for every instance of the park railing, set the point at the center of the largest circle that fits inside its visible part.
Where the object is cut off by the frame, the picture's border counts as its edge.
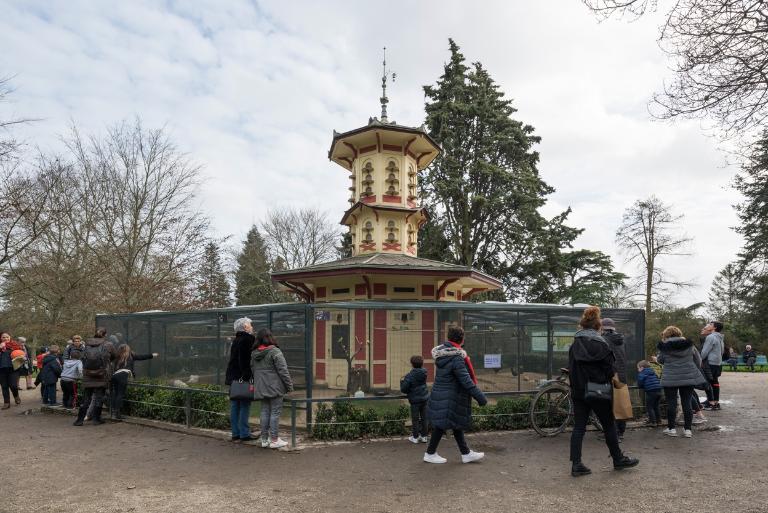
(192, 406)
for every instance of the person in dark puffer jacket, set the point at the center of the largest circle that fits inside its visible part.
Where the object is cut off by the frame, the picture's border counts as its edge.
(616, 342)
(682, 372)
(648, 380)
(50, 375)
(450, 403)
(239, 369)
(414, 384)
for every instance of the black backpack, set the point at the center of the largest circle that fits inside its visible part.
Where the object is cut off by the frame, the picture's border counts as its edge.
(95, 361)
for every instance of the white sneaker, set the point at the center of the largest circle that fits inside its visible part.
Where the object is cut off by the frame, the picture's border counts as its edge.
(670, 432)
(472, 456)
(423, 439)
(434, 458)
(265, 442)
(413, 440)
(699, 420)
(688, 433)
(276, 444)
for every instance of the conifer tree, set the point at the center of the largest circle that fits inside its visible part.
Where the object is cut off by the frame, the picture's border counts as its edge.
(253, 285)
(486, 183)
(212, 288)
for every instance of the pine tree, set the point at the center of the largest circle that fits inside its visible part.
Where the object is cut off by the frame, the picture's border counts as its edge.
(253, 286)
(752, 183)
(486, 182)
(725, 295)
(213, 288)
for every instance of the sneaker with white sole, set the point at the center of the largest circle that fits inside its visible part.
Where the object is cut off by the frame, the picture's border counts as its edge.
(265, 442)
(423, 439)
(670, 432)
(699, 420)
(413, 440)
(472, 456)
(277, 444)
(434, 458)
(688, 433)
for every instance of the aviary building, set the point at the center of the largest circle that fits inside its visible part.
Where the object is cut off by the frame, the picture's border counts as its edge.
(383, 160)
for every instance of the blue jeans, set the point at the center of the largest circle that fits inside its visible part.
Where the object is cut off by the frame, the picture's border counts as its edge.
(49, 394)
(270, 416)
(239, 413)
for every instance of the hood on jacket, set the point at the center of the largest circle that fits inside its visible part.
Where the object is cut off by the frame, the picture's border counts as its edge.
(617, 339)
(593, 349)
(260, 354)
(49, 358)
(419, 370)
(442, 353)
(674, 344)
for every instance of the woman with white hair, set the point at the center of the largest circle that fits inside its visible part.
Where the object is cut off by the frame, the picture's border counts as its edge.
(239, 369)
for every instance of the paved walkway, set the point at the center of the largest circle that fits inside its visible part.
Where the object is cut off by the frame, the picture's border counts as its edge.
(49, 465)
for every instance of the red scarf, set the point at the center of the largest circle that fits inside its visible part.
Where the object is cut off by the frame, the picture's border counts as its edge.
(262, 347)
(468, 362)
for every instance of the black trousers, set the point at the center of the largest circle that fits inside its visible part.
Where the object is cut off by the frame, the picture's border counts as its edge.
(419, 419)
(119, 386)
(438, 433)
(9, 383)
(68, 393)
(604, 411)
(652, 400)
(95, 394)
(716, 371)
(685, 399)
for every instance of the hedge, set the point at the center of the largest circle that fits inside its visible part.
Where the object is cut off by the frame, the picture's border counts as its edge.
(208, 410)
(345, 421)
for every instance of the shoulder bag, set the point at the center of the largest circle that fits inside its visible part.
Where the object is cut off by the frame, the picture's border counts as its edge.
(598, 391)
(241, 390)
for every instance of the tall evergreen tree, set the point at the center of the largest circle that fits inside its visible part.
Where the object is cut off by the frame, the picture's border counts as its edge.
(212, 288)
(486, 183)
(725, 295)
(253, 285)
(752, 183)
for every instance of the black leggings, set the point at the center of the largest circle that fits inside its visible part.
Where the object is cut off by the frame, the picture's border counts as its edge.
(685, 399)
(716, 371)
(9, 382)
(119, 386)
(438, 433)
(604, 411)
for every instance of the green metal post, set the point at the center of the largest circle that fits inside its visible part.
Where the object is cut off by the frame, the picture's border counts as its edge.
(293, 423)
(188, 407)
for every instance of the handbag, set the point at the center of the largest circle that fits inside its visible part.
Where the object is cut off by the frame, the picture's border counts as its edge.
(241, 390)
(598, 391)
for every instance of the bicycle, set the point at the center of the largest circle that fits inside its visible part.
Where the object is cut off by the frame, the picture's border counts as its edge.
(552, 409)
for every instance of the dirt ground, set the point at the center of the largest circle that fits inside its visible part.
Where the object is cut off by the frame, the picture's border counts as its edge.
(50, 465)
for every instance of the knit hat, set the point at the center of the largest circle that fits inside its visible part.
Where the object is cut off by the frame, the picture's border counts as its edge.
(608, 323)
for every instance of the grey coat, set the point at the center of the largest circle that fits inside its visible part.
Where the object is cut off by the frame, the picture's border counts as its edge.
(712, 350)
(681, 363)
(270, 373)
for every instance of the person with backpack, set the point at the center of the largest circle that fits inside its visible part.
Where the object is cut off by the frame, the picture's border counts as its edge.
(97, 357)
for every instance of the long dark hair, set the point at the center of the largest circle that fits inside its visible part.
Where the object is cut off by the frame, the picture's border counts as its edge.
(264, 338)
(123, 353)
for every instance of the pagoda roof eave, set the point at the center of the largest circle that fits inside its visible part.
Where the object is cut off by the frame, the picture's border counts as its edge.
(387, 208)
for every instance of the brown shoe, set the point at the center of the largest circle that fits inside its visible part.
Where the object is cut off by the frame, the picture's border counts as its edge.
(6, 406)
(17, 399)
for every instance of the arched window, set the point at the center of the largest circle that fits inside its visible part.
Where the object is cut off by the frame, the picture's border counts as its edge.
(368, 231)
(393, 180)
(367, 180)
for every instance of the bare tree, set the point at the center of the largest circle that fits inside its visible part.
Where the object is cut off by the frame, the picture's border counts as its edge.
(300, 237)
(719, 51)
(148, 230)
(9, 145)
(647, 233)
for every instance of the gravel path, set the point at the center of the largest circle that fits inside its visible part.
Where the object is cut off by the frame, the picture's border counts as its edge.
(124, 467)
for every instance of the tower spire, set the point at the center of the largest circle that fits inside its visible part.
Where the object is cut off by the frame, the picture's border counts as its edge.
(384, 100)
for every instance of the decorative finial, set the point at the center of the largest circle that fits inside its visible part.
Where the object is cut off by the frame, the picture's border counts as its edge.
(384, 100)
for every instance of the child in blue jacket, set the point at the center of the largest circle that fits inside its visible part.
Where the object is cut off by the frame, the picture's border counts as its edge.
(648, 380)
(414, 384)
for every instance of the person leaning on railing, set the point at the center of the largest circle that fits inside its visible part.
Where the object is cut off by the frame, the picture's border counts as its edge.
(124, 371)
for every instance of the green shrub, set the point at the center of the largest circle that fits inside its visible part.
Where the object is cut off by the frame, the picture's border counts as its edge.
(345, 421)
(208, 411)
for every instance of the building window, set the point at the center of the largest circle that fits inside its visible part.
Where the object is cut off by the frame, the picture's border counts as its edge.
(340, 291)
(405, 290)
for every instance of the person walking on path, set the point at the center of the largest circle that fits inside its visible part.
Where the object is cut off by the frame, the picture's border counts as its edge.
(712, 356)
(681, 374)
(123, 372)
(414, 385)
(591, 360)
(9, 377)
(271, 381)
(616, 342)
(239, 369)
(450, 403)
(98, 355)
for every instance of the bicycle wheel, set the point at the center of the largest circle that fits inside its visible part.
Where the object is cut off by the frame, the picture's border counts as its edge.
(551, 410)
(595, 421)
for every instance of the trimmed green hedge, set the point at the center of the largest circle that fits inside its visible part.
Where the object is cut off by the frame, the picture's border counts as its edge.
(208, 410)
(345, 421)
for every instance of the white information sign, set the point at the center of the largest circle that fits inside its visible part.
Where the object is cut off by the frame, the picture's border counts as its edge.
(492, 361)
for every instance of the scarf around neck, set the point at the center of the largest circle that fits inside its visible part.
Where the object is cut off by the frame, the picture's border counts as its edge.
(467, 361)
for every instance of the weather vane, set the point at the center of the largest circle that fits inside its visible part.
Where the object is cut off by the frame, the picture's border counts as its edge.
(384, 100)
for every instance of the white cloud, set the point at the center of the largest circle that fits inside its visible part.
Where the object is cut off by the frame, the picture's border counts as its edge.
(252, 91)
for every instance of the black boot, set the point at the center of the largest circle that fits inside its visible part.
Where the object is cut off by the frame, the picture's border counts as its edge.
(79, 421)
(579, 469)
(625, 462)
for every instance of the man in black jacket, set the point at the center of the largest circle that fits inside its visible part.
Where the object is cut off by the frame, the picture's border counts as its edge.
(616, 342)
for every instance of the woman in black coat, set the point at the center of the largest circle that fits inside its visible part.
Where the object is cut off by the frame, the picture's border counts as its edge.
(450, 404)
(239, 369)
(591, 360)
(124, 370)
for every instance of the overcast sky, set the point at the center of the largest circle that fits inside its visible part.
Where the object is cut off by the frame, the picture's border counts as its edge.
(253, 90)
